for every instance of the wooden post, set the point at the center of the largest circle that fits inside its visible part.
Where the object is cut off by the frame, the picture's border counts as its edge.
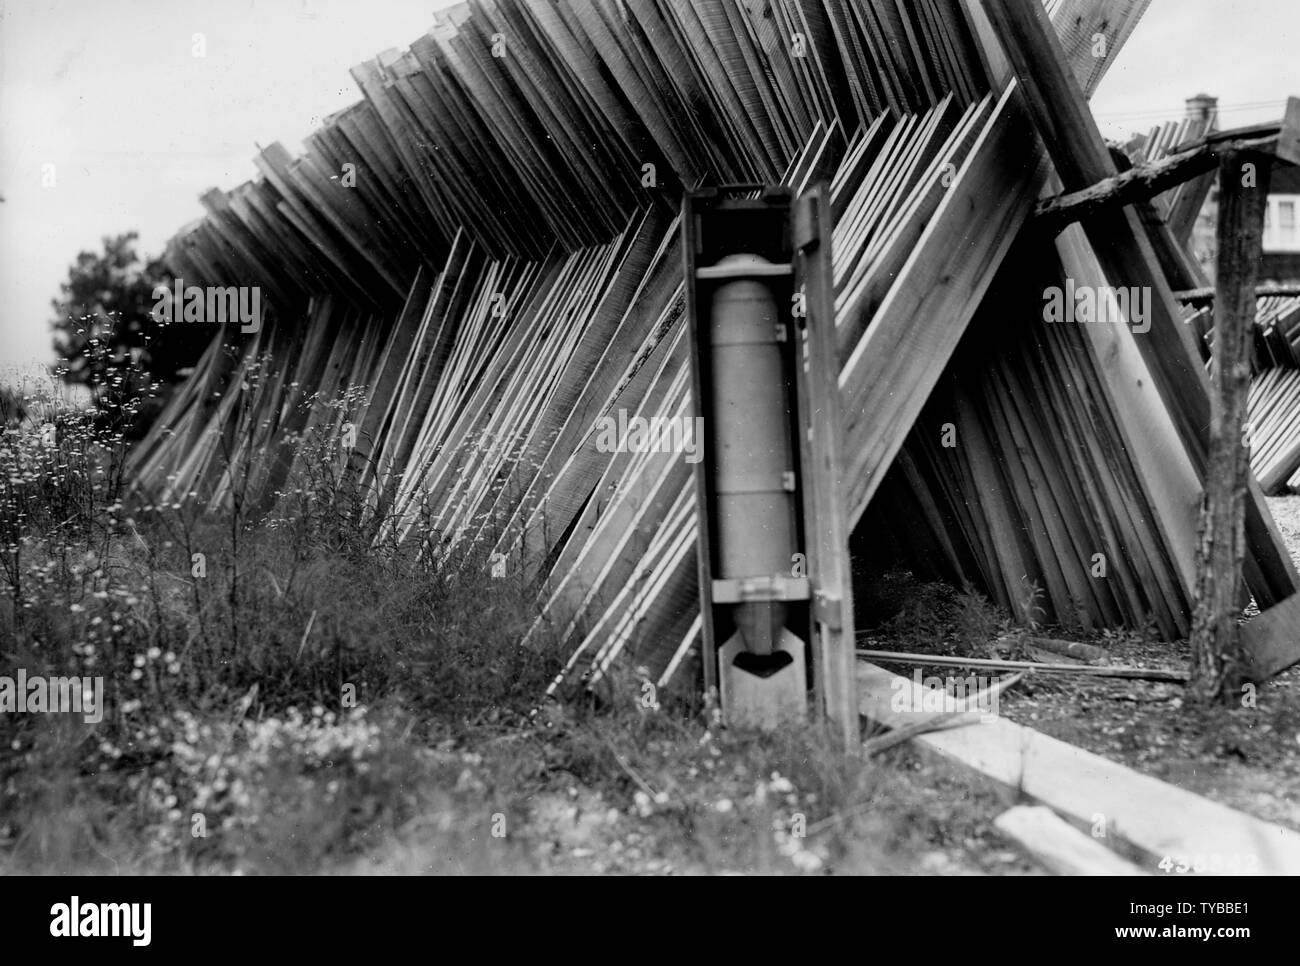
(1218, 664)
(835, 665)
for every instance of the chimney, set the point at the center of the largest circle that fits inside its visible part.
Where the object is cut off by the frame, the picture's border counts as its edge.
(1201, 107)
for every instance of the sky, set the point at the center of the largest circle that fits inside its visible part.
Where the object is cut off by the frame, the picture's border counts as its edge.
(110, 93)
(1244, 52)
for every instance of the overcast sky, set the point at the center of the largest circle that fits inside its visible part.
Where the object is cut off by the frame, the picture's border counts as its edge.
(108, 92)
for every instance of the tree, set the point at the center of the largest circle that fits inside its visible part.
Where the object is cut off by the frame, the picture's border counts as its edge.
(107, 338)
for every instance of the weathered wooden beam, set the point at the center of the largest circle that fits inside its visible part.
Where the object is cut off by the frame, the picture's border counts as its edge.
(1176, 261)
(1218, 666)
(1143, 181)
(960, 716)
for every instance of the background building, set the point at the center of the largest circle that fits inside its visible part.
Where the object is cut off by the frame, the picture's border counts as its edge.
(1281, 218)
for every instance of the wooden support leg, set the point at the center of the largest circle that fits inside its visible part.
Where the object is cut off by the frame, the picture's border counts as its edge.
(1218, 665)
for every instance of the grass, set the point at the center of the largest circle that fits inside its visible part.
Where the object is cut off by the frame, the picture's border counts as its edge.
(291, 695)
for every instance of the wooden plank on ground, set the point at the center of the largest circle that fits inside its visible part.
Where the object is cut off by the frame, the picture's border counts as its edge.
(1158, 819)
(1060, 847)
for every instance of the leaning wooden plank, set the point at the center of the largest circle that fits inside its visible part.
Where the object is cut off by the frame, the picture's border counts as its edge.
(387, 372)
(1157, 819)
(625, 510)
(1058, 846)
(527, 384)
(887, 377)
(1137, 555)
(645, 346)
(636, 610)
(588, 368)
(1151, 438)
(1272, 640)
(1078, 25)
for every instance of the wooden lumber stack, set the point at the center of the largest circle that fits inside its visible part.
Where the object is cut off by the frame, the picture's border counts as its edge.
(1179, 206)
(1275, 354)
(1018, 479)
(1275, 362)
(1277, 332)
(1275, 429)
(500, 268)
(1275, 395)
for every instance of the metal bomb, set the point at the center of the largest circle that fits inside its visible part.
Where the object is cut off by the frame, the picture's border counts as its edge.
(753, 485)
(770, 560)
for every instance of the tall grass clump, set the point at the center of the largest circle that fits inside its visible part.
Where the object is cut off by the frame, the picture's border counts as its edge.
(252, 663)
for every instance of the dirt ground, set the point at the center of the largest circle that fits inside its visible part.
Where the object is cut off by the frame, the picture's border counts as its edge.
(1246, 757)
(937, 818)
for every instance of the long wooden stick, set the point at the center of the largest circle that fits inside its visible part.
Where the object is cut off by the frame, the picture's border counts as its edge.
(1135, 673)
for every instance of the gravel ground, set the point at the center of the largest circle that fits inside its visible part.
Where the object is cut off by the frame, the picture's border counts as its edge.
(1247, 757)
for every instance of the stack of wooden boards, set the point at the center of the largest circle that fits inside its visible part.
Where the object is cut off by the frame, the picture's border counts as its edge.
(1275, 429)
(1017, 479)
(1275, 392)
(1275, 387)
(1276, 342)
(1180, 205)
(502, 282)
